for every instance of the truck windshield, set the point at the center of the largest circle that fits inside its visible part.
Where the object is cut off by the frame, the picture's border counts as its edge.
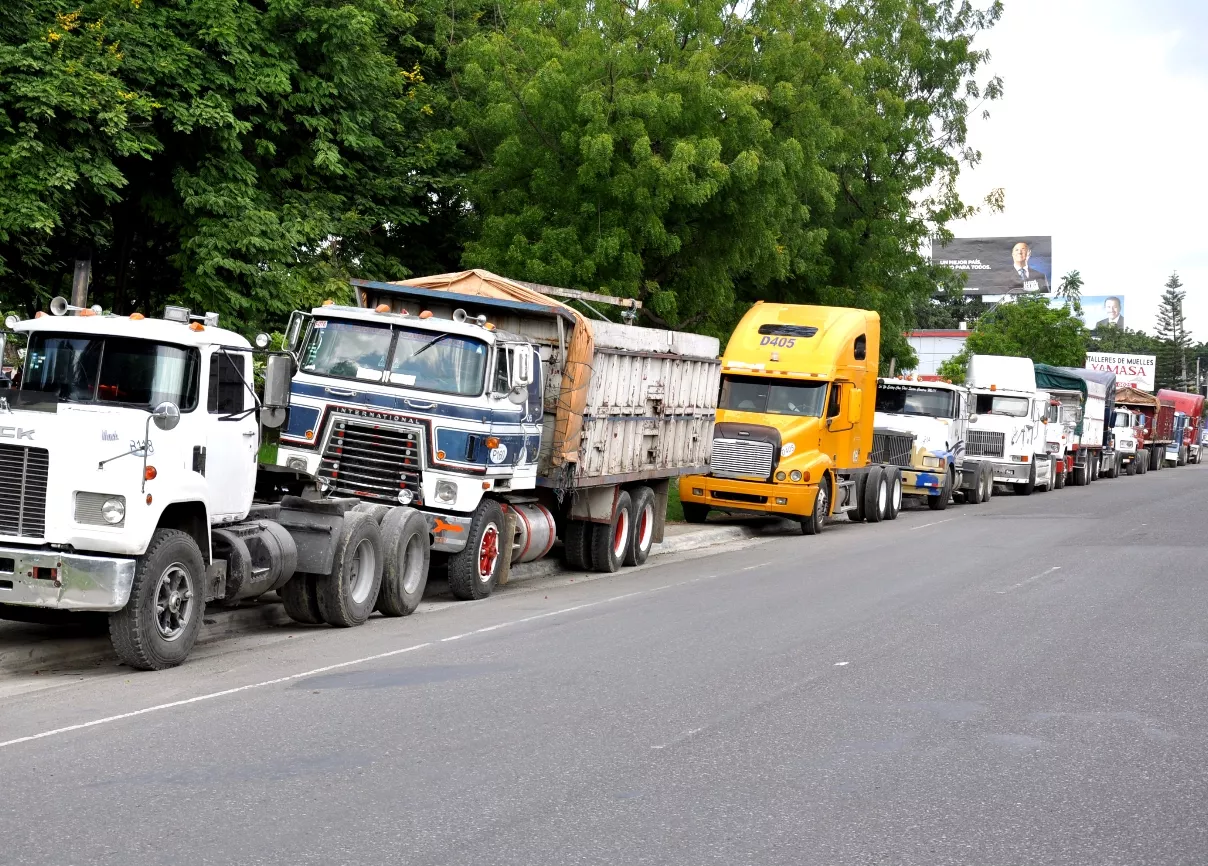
(906, 400)
(774, 397)
(395, 355)
(993, 404)
(1122, 419)
(72, 368)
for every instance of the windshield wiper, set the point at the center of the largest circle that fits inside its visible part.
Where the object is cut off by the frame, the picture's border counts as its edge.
(430, 344)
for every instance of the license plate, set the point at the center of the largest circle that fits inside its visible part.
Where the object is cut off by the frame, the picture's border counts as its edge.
(1009, 471)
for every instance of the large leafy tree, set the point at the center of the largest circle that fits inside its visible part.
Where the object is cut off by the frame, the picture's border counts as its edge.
(701, 154)
(242, 156)
(1026, 328)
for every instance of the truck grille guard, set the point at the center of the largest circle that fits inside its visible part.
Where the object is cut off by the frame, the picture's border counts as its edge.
(375, 461)
(895, 449)
(23, 477)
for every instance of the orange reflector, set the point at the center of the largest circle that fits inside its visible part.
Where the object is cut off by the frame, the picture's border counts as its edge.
(441, 526)
(489, 326)
(486, 485)
(148, 498)
(329, 302)
(149, 473)
(137, 317)
(805, 476)
(87, 312)
(426, 314)
(993, 387)
(196, 326)
(1024, 459)
(492, 441)
(310, 434)
(382, 308)
(39, 314)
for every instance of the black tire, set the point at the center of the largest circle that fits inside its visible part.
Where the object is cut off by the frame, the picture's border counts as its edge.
(406, 553)
(172, 574)
(347, 595)
(1181, 460)
(814, 524)
(694, 512)
(1096, 466)
(1027, 487)
(642, 534)
(976, 496)
(301, 598)
(1131, 469)
(576, 545)
(940, 501)
(474, 570)
(876, 494)
(857, 513)
(1059, 478)
(1141, 461)
(988, 490)
(1079, 476)
(894, 481)
(1157, 459)
(376, 510)
(1051, 484)
(610, 541)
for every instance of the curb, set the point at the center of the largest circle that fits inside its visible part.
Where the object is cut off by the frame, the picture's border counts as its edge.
(28, 648)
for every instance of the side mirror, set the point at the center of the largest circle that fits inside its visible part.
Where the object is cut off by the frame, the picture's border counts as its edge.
(522, 366)
(166, 416)
(973, 418)
(298, 321)
(278, 374)
(855, 406)
(3, 341)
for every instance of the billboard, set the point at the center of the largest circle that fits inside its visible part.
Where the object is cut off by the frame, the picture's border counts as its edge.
(1098, 310)
(1135, 371)
(999, 266)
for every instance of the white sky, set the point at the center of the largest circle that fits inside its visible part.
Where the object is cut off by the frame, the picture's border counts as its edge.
(1101, 140)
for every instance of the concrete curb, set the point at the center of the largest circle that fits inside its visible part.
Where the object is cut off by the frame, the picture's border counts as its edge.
(29, 648)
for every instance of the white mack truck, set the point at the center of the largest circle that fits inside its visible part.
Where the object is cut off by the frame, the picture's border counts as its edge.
(1007, 426)
(500, 415)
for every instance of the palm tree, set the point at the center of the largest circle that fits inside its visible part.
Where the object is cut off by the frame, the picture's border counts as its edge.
(1071, 290)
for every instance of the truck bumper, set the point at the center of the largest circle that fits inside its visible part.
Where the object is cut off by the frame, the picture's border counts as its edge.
(1012, 473)
(449, 532)
(725, 494)
(922, 482)
(61, 581)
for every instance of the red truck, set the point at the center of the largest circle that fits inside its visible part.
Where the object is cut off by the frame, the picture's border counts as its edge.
(1156, 431)
(1191, 405)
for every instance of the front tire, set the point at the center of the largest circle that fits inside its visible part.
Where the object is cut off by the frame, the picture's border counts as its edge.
(988, 490)
(814, 524)
(474, 570)
(694, 512)
(160, 623)
(940, 501)
(1027, 488)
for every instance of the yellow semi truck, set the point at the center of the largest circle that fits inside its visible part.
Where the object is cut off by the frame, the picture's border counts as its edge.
(795, 421)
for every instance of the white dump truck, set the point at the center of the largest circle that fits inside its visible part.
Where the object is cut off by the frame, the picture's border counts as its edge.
(128, 482)
(1007, 428)
(505, 418)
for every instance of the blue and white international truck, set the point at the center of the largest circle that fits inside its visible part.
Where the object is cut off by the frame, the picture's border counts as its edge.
(504, 417)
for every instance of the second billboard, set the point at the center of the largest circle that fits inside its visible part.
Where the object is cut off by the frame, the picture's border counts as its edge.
(1000, 266)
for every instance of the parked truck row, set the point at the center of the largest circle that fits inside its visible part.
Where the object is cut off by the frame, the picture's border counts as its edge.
(464, 423)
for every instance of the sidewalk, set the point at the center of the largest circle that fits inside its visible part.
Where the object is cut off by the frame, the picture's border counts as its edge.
(29, 648)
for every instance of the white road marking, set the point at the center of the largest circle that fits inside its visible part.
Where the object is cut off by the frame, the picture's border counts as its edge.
(933, 523)
(841, 664)
(1029, 580)
(364, 660)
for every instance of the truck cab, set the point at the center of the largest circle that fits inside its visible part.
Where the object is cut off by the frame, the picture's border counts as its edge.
(1129, 438)
(1007, 428)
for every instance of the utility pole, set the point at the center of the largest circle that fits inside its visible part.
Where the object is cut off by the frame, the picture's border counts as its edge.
(80, 280)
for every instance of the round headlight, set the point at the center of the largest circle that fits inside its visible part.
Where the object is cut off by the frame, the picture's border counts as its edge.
(114, 510)
(262, 341)
(780, 476)
(794, 475)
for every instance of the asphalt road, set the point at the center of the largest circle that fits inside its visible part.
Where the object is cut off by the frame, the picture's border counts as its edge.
(1022, 682)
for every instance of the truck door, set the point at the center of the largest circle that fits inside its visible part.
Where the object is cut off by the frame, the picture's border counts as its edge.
(233, 437)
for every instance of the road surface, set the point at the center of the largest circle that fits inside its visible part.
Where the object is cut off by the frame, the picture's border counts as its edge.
(1022, 682)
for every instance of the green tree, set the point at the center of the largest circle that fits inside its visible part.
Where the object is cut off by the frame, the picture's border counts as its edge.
(1070, 288)
(702, 154)
(1173, 337)
(242, 156)
(1024, 328)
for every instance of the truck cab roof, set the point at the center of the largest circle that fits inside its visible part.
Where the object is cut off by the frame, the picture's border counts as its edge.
(468, 328)
(158, 330)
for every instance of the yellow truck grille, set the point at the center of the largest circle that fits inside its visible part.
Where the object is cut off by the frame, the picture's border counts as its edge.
(736, 458)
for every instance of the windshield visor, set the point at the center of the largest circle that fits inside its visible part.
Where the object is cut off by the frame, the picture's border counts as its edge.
(409, 357)
(117, 370)
(902, 400)
(755, 394)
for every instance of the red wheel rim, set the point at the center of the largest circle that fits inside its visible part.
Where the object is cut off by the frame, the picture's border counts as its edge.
(620, 535)
(488, 552)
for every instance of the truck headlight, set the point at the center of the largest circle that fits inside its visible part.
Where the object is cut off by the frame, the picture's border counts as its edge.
(446, 491)
(114, 510)
(932, 462)
(794, 475)
(298, 464)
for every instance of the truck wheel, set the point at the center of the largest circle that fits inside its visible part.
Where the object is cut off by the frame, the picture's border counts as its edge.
(876, 494)
(407, 551)
(159, 624)
(301, 597)
(813, 524)
(1131, 469)
(376, 510)
(940, 501)
(643, 526)
(694, 512)
(474, 570)
(347, 595)
(610, 541)
(977, 495)
(1079, 476)
(1051, 484)
(894, 480)
(1182, 458)
(988, 480)
(576, 546)
(1156, 458)
(1141, 461)
(1059, 475)
(1026, 488)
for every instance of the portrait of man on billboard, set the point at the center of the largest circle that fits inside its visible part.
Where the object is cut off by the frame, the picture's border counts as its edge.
(1112, 313)
(1026, 278)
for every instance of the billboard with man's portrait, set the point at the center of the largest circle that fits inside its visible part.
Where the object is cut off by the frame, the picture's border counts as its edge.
(1022, 264)
(1098, 310)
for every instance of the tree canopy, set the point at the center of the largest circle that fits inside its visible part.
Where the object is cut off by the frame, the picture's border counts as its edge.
(1025, 328)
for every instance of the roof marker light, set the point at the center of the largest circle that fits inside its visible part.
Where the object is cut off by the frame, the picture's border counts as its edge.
(426, 314)
(382, 308)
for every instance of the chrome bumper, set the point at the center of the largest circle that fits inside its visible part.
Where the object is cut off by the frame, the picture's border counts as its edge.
(449, 533)
(1012, 472)
(49, 579)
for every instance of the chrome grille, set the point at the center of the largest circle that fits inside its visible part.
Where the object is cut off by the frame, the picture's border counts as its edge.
(892, 448)
(23, 473)
(373, 461)
(735, 458)
(982, 443)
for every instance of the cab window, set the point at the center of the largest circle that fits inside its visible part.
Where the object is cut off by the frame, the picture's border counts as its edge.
(228, 372)
(835, 400)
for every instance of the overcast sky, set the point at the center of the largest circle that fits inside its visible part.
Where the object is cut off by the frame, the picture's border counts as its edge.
(1101, 140)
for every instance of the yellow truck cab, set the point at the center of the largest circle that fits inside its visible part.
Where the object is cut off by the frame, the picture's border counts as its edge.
(795, 420)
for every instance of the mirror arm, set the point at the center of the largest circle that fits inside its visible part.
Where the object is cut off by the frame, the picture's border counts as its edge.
(146, 449)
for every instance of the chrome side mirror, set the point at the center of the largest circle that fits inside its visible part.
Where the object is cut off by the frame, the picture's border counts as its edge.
(166, 416)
